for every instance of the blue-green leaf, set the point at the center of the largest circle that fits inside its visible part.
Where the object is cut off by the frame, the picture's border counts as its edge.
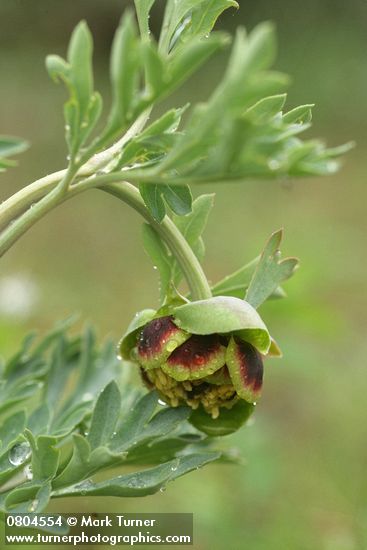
(80, 60)
(45, 456)
(143, 8)
(178, 198)
(124, 71)
(105, 415)
(10, 430)
(205, 16)
(152, 197)
(142, 483)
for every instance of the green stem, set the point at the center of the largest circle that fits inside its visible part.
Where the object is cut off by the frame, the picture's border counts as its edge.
(168, 231)
(36, 211)
(50, 193)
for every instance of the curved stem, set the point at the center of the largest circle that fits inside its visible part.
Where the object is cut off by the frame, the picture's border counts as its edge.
(20, 201)
(182, 251)
(36, 211)
(47, 190)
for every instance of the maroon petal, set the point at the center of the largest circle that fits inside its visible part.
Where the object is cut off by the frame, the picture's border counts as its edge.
(198, 357)
(157, 340)
(245, 368)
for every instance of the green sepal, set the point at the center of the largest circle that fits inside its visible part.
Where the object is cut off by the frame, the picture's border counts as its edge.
(228, 421)
(222, 315)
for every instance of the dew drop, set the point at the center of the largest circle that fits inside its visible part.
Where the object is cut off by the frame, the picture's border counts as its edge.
(162, 403)
(199, 359)
(28, 472)
(33, 505)
(84, 486)
(19, 453)
(162, 489)
(155, 267)
(174, 468)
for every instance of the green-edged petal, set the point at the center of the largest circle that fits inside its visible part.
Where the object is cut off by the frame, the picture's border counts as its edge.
(158, 339)
(224, 314)
(128, 341)
(245, 368)
(198, 357)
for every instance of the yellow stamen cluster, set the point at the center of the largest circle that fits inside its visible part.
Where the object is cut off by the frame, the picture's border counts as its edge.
(192, 392)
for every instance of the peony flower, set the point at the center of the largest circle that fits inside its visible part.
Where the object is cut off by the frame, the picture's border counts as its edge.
(205, 354)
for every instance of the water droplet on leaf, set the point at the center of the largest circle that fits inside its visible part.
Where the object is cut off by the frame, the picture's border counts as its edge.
(33, 505)
(28, 472)
(19, 453)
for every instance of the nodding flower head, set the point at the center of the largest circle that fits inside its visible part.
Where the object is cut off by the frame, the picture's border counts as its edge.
(207, 353)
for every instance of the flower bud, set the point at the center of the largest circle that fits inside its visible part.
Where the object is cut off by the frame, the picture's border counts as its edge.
(205, 354)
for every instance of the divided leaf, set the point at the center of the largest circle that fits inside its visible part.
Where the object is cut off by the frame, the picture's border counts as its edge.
(83, 109)
(270, 271)
(121, 427)
(142, 483)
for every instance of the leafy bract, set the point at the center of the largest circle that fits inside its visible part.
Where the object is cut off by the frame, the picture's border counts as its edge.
(270, 271)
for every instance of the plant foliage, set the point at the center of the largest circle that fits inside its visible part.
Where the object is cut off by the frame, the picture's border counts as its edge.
(67, 409)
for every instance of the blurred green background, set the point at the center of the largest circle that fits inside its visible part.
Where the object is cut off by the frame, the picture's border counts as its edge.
(304, 484)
